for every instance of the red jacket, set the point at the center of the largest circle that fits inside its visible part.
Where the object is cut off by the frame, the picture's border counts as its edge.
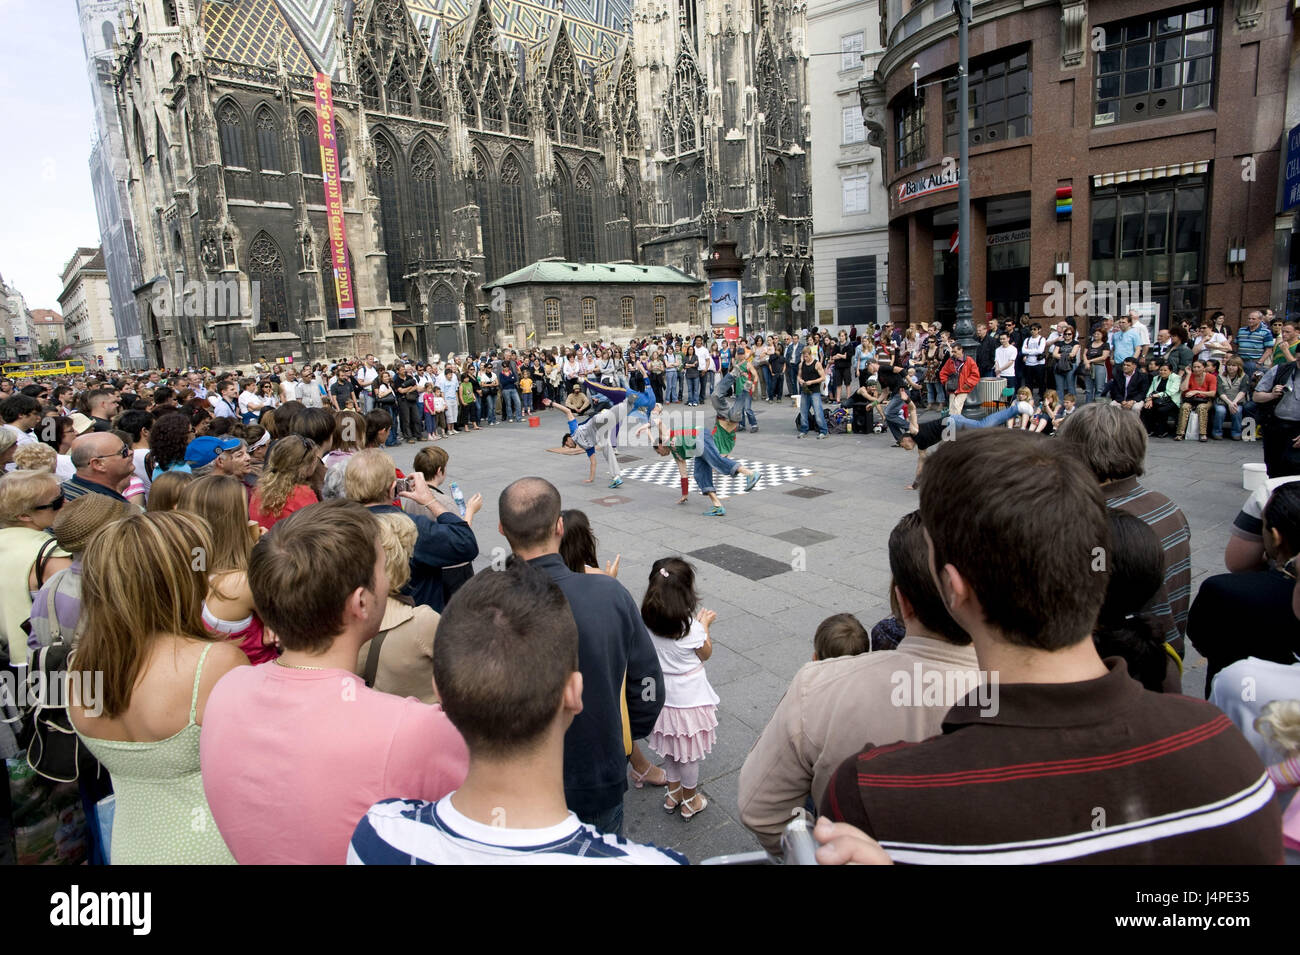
(967, 380)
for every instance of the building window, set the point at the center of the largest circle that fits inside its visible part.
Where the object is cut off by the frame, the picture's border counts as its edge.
(999, 102)
(584, 195)
(627, 310)
(390, 218)
(909, 131)
(268, 141)
(1155, 66)
(430, 96)
(552, 316)
(308, 145)
(855, 289)
(491, 251)
(230, 129)
(780, 189)
(341, 151)
(851, 52)
(588, 314)
(857, 194)
(266, 269)
(851, 120)
(693, 307)
(512, 213)
(661, 312)
(424, 183)
(1152, 231)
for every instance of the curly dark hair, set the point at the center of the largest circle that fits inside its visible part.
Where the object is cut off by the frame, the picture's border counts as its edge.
(168, 439)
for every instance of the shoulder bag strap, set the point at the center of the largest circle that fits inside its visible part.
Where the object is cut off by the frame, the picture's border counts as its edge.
(43, 560)
(372, 658)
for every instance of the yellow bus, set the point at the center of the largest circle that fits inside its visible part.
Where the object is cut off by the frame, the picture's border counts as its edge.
(44, 369)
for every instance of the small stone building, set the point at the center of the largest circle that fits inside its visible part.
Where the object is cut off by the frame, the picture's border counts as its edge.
(552, 303)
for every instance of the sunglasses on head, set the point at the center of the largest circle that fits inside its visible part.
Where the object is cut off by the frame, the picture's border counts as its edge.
(123, 452)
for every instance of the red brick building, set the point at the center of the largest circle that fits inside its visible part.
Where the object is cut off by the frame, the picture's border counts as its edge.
(1166, 122)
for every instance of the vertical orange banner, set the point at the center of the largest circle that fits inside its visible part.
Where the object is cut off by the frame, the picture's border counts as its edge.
(329, 164)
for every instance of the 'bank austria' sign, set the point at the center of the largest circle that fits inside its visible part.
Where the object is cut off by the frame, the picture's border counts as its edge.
(934, 182)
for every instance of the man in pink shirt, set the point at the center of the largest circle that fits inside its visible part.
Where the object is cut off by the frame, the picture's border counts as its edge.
(295, 752)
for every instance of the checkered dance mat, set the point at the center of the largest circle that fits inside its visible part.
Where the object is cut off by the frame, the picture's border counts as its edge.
(664, 474)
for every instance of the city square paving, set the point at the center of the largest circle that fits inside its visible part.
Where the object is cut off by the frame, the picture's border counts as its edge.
(783, 558)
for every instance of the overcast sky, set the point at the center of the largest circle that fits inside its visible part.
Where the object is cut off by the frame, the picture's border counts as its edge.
(47, 207)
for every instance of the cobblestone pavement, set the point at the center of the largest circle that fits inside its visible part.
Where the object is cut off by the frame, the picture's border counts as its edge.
(795, 553)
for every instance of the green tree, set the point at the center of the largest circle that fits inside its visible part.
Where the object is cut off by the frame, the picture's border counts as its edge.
(49, 351)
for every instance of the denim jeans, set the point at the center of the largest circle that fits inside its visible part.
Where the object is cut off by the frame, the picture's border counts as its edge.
(511, 404)
(768, 378)
(1221, 414)
(710, 460)
(693, 391)
(1096, 383)
(708, 378)
(671, 392)
(395, 433)
(744, 412)
(815, 400)
(791, 380)
(894, 419)
(487, 409)
(609, 822)
(430, 422)
(1064, 384)
(527, 398)
(934, 393)
(959, 422)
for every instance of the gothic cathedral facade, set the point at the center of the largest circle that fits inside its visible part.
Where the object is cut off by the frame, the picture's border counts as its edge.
(475, 137)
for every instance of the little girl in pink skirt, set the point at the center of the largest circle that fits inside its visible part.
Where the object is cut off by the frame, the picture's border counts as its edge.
(683, 734)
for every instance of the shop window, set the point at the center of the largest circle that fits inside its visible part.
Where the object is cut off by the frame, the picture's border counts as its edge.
(1155, 66)
(999, 102)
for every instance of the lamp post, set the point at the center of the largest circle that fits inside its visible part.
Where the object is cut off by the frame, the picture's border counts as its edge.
(963, 327)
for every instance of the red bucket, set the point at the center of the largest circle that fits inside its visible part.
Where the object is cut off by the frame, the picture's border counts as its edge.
(534, 421)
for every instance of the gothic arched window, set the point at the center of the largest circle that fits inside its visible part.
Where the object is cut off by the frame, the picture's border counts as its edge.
(308, 145)
(699, 191)
(430, 96)
(780, 189)
(469, 107)
(492, 108)
(169, 12)
(632, 137)
(518, 110)
(399, 92)
(686, 133)
(559, 204)
(268, 141)
(513, 246)
(164, 156)
(424, 183)
(584, 195)
(548, 112)
(391, 219)
(368, 83)
(230, 130)
(266, 267)
(482, 198)
(569, 123)
(590, 131)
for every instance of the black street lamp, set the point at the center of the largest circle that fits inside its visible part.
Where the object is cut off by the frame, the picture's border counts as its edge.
(963, 327)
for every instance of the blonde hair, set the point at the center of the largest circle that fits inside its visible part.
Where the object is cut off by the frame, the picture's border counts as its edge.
(165, 491)
(35, 456)
(219, 499)
(1051, 397)
(20, 491)
(397, 534)
(369, 476)
(291, 462)
(1279, 722)
(126, 607)
(1024, 394)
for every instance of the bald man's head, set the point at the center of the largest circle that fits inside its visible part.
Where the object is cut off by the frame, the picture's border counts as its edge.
(530, 513)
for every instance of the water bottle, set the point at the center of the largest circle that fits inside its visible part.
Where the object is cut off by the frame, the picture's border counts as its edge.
(458, 497)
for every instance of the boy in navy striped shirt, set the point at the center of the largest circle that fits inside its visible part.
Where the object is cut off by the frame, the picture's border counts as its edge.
(506, 668)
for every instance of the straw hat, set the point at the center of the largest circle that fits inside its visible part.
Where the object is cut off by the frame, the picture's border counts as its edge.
(81, 423)
(82, 517)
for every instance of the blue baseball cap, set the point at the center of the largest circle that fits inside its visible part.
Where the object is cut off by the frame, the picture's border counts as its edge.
(203, 451)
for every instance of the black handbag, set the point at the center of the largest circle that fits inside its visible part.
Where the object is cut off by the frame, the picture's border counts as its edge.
(54, 750)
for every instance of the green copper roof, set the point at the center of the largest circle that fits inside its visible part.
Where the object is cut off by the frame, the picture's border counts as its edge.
(598, 273)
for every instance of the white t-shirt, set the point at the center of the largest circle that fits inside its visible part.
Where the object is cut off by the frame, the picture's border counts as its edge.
(1215, 346)
(1005, 361)
(366, 375)
(1034, 348)
(408, 831)
(685, 682)
(249, 402)
(1144, 333)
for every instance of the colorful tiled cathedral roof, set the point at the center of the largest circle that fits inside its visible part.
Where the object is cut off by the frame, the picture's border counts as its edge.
(249, 31)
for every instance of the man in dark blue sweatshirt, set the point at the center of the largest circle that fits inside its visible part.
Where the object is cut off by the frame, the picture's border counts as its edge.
(613, 647)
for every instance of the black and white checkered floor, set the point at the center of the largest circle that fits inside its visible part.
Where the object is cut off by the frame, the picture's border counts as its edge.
(664, 474)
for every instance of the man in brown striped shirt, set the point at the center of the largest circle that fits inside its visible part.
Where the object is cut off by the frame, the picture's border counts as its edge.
(1113, 444)
(1077, 762)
